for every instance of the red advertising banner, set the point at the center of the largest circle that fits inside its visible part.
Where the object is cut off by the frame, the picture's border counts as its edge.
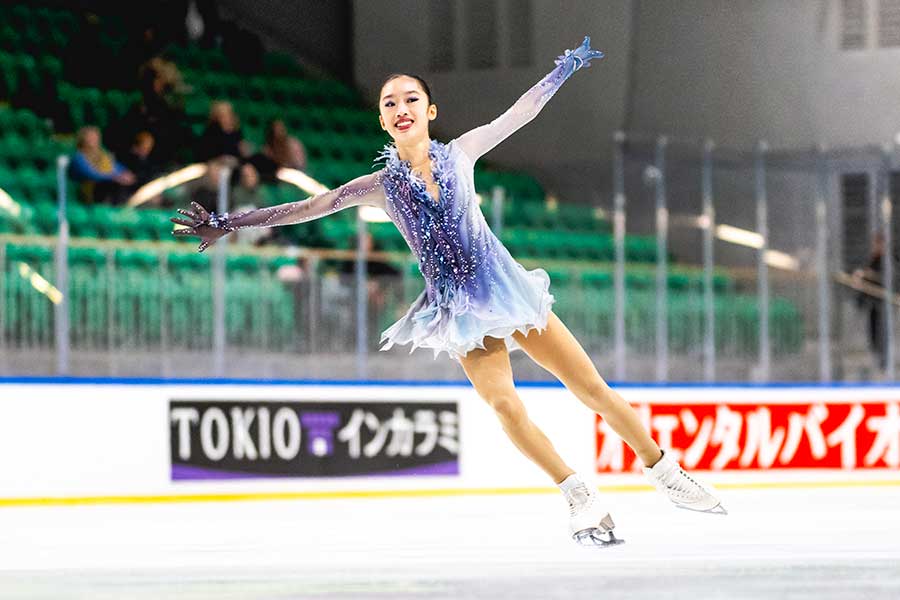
(727, 437)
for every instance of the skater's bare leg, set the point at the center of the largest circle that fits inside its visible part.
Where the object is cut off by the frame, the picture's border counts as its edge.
(557, 350)
(490, 372)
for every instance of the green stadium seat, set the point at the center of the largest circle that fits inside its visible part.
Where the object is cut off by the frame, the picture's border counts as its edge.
(602, 280)
(640, 248)
(242, 263)
(81, 220)
(188, 262)
(45, 218)
(38, 257)
(87, 256)
(136, 259)
(280, 64)
(273, 264)
(678, 281)
(154, 224)
(640, 280)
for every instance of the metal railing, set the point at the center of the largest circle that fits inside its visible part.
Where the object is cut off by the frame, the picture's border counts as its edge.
(159, 309)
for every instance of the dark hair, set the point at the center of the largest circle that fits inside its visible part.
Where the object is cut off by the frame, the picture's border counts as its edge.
(395, 76)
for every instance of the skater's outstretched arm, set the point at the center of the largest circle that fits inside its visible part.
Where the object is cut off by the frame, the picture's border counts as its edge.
(480, 140)
(209, 227)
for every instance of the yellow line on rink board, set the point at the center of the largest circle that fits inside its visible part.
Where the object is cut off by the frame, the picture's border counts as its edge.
(374, 494)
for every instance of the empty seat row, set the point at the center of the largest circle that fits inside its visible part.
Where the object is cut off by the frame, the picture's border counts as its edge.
(92, 106)
(520, 212)
(575, 245)
(517, 185)
(42, 257)
(24, 124)
(22, 76)
(284, 91)
(677, 279)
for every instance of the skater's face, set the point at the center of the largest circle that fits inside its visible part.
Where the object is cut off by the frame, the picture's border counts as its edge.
(404, 110)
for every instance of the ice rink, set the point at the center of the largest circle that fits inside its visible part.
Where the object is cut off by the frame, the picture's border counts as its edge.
(822, 543)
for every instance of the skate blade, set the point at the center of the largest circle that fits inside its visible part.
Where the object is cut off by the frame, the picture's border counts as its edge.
(597, 538)
(718, 509)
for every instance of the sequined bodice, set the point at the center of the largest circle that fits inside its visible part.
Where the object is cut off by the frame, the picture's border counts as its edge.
(437, 231)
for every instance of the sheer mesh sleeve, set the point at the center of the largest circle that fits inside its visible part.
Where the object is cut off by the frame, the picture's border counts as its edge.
(367, 190)
(480, 140)
(210, 227)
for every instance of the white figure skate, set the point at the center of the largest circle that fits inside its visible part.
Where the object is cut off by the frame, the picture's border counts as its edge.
(589, 524)
(683, 490)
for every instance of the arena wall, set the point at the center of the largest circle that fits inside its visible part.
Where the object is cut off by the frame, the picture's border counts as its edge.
(83, 441)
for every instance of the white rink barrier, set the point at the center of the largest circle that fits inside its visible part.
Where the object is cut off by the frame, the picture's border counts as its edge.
(132, 440)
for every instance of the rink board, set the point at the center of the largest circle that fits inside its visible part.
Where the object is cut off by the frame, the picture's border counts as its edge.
(153, 440)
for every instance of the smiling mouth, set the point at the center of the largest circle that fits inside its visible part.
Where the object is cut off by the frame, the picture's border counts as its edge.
(404, 125)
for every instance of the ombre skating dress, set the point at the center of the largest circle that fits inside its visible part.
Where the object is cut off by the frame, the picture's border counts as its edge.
(473, 286)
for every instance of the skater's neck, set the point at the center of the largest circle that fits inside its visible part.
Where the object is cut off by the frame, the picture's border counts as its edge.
(415, 152)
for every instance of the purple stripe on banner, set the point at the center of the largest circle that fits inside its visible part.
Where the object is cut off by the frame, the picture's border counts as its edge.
(451, 467)
(189, 472)
(186, 472)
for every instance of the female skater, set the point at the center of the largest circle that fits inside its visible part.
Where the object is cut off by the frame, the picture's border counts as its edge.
(478, 304)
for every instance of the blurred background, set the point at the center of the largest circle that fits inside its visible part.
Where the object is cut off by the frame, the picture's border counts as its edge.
(712, 200)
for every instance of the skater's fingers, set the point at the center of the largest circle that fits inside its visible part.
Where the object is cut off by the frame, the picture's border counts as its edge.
(183, 232)
(201, 212)
(188, 214)
(184, 222)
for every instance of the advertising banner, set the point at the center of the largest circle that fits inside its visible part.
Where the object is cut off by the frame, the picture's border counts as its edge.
(742, 436)
(220, 439)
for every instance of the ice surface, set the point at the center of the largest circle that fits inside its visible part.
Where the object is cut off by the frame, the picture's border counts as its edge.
(823, 543)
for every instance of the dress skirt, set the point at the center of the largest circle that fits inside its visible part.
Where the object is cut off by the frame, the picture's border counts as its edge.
(519, 300)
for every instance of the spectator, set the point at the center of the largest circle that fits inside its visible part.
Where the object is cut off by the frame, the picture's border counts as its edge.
(280, 150)
(243, 185)
(102, 178)
(205, 190)
(874, 306)
(223, 136)
(246, 194)
(160, 112)
(139, 159)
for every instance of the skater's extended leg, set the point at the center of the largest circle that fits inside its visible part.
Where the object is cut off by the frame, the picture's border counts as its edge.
(491, 375)
(557, 350)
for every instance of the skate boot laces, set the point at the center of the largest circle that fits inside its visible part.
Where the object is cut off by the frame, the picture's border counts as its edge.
(682, 489)
(683, 485)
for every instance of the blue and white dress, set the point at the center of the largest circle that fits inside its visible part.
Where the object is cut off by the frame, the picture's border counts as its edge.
(473, 286)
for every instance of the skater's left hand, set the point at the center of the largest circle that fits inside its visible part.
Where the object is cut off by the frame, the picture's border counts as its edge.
(583, 55)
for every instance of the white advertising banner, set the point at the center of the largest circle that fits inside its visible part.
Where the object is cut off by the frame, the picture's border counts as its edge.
(120, 439)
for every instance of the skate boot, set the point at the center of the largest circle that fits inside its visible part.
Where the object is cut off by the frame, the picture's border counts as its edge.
(589, 524)
(685, 492)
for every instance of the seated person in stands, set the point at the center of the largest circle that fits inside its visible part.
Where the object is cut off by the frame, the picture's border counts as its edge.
(281, 150)
(223, 138)
(139, 159)
(159, 112)
(246, 194)
(103, 180)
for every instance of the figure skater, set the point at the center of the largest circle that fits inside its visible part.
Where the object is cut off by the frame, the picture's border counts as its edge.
(479, 304)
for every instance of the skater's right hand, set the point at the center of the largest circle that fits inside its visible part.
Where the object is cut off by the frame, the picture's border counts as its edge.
(209, 227)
